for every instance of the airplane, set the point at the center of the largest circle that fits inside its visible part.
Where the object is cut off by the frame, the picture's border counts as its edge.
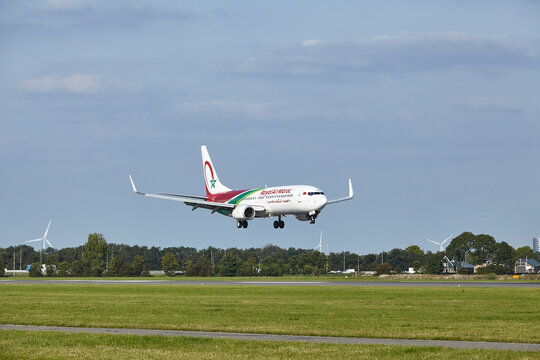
(303, 201)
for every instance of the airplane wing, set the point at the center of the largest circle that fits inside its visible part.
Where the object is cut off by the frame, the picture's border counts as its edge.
(190, 200)
(351, 195)
(186, 196)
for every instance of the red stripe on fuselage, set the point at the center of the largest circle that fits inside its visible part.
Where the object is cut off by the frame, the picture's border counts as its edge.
(225, 196)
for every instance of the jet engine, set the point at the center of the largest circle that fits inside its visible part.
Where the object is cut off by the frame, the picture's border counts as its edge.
(243, 213)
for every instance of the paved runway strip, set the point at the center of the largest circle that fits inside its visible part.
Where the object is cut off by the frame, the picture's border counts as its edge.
(294, 338)
(483, 284)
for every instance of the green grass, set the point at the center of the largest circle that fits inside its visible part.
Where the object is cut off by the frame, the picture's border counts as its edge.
(331, 277)
(476, 314)
(17, 345)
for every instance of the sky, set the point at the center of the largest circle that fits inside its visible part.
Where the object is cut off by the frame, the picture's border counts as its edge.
(431, 108)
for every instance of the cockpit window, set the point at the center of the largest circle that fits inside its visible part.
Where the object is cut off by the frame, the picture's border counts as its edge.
(315, 193)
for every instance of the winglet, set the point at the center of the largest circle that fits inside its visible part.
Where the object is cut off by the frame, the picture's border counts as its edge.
(133, 186)
(351, 195)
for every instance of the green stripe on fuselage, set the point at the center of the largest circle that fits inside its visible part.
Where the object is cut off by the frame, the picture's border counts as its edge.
(242, 196)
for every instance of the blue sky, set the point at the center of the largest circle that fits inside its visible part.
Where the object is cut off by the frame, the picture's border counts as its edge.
(430, 107)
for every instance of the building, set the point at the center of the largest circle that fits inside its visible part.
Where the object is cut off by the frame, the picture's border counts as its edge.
(536, 244)
(527, 266)
(452, 266)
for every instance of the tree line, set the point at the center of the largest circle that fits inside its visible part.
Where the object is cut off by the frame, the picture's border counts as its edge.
(98, 258)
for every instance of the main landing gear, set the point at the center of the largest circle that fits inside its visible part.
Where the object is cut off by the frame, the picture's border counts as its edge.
(279, 223)
(242, 224)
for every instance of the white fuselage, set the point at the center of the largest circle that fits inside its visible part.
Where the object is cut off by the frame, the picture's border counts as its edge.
(286, 200)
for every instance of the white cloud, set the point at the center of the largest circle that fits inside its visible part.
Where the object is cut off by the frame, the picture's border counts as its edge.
(271, 110)
(312, 42)
(486, 103)
(399, 53)
(251, 109)
(86, 84)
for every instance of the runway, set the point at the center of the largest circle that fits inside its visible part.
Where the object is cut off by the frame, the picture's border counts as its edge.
(203, 281)
(287, 338)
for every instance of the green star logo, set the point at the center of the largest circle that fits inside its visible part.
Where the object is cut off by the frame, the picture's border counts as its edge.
(213, 183)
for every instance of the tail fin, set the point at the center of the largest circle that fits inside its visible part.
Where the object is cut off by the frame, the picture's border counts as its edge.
(211, 179)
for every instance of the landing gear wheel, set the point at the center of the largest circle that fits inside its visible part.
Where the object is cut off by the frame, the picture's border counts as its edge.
(244, 224)
(239, 224)
(312, 220)
(281, 224)
(276, 224)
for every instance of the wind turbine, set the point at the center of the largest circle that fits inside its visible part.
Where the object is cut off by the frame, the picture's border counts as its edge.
(44, 241)
(320, 246)
(441, 243)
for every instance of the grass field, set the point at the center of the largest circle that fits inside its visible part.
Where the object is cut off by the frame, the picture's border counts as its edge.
(476, 314)
(17, 345)
(330, 277)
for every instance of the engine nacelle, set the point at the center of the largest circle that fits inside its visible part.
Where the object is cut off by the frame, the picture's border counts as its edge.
(243, 213)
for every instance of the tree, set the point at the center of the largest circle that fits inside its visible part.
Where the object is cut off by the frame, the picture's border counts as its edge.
(415, 251)
(94, 255)
(318, 261)
(484, 247)
(35, 269)
(434, 263)
(460, 246)
(369, 262)
(64, 269)
(138, 267)
(51, 259)
(269, 267)
(523, 252)
(383, 268)
(417, 265)
(398, 259)
(229, 265)
(504, 254)
(77, 268)
(169, 264)
(248, 267)
(205, 266)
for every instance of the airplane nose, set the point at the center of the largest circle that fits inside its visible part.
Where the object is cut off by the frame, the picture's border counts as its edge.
(324, 200)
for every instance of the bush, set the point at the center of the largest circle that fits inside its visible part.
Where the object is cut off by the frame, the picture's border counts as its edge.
(491, 276)
(64, 269)
(50, 270)
(495, 269)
